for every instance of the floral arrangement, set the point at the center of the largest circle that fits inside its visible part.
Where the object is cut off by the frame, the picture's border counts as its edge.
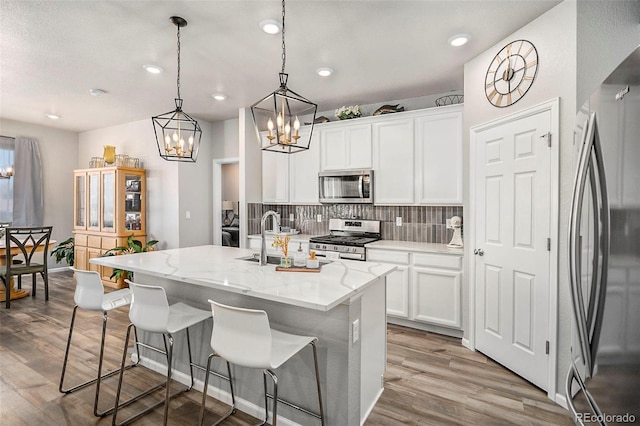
(281, 242)
(344, 113)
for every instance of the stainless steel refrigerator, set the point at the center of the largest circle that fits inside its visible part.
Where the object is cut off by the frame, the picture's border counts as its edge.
(603, 383)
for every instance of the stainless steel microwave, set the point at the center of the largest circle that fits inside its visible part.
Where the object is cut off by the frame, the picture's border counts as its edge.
(346, 186)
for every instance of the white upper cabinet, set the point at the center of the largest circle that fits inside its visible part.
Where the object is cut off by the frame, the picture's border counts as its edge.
(275, 177)
(346, 146)
(439, 156)
(303, 169)
(418, 159)
(393, 154)
(291, 178)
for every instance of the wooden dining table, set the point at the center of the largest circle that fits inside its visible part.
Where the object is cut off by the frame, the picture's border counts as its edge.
(15, 293)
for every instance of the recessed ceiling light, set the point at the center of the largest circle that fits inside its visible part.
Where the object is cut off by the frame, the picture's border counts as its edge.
(219, 96)
(459, 39)
(97, 92)
(324, 71)
(153, 69)
(270, 26)
(53, 116)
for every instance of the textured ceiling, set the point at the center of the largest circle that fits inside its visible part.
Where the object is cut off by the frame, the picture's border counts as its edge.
(52, 52)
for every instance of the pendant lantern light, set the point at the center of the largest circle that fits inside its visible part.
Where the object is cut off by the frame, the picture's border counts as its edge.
(278, 116)
(177, 134)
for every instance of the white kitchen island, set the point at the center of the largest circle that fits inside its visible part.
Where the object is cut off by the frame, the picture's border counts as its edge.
(344, 306)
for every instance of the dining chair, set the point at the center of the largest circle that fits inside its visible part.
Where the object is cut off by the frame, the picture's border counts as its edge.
(26, 241)
(150, 311)
(245, 338)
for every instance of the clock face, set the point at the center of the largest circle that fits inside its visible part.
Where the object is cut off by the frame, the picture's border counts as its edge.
(511, 73)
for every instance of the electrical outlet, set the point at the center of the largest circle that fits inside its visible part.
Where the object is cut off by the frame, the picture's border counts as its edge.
(187, 215)
(449, 224)
(319, 218)
(399, 221)
(356, 330)
(291, 217)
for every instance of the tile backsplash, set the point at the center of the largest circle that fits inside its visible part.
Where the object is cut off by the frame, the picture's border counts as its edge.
(419, 223)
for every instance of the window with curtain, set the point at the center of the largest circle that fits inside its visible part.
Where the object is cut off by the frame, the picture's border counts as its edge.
(7, 145)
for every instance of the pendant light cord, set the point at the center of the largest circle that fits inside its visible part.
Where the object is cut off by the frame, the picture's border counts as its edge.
(178, 83)
(284, 47)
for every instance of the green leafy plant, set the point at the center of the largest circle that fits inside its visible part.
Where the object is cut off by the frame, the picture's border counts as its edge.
(133, 246)
(64, 251)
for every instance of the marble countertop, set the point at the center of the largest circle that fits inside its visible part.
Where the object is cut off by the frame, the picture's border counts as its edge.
(219, 268)
(414, 246)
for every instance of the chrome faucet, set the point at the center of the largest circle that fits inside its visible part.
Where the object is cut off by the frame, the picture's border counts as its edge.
(276, 228)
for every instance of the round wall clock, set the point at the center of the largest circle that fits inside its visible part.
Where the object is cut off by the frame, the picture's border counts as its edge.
(511, 73)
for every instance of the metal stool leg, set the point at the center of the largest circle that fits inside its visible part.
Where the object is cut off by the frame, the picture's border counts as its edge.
(315, 362)
(275, 395)
(168, 396)
(99, 376)
(204, 393)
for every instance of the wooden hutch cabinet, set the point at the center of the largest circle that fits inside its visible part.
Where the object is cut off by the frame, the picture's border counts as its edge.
(109, 206)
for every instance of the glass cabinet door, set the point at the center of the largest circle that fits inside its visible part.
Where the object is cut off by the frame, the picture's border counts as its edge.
(80, 193)
(94, 200)
(133, 202)
(108, 200)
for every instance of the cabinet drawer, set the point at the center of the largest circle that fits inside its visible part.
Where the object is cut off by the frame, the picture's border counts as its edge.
(109, 243)
(80, 240)
(391, 256)
(437, 261)
(94, 241)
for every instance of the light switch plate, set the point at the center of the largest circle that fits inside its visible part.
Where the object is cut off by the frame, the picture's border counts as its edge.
(399, 221)
(187, 215)
(291, 217)
(319, 218)
(356, 330)
(449, 224)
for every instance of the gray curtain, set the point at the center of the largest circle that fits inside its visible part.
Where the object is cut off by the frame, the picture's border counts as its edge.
(28, 196)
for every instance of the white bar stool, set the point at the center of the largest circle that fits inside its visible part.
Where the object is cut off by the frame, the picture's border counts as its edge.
(245, 338)
(90, 295)
(150, 311)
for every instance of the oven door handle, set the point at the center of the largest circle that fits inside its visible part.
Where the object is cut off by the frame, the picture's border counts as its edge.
(351, 256)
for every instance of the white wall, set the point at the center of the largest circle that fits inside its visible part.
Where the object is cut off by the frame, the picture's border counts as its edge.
(172, 188)
(608, 31)
(59, 154)
(560, 36)
(224, 139)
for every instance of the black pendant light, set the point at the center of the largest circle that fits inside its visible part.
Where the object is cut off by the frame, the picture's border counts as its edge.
(177, 134)
(278, 116)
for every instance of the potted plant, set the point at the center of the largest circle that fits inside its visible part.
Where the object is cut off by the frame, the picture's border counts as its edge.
(64, 251)
(133, 246)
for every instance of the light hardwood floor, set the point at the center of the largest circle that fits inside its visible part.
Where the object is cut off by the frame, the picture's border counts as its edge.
(430, 379)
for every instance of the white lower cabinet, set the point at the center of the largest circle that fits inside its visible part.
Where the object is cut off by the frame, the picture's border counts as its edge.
(425, 291)
(436, 296)
(398, 292)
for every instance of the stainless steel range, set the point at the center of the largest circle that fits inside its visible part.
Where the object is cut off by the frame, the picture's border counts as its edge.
(346, 239)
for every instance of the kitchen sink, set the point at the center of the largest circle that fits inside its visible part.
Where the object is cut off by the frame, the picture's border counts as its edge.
(272, 260)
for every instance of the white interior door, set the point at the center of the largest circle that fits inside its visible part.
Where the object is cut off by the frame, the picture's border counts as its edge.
(512, 184)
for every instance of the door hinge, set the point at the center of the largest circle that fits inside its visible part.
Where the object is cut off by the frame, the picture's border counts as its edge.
(547, 136)
(546, 348)
(548, 244)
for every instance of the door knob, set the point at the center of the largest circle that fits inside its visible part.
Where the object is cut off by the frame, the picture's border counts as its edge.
(479, 252)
